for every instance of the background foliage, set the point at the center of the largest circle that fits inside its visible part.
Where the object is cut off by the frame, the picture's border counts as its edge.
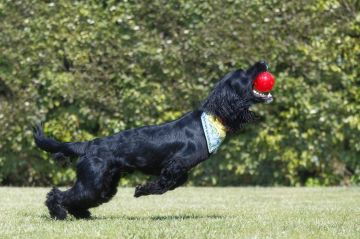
(93, 68)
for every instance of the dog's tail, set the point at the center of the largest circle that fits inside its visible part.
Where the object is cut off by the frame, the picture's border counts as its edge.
(50, 145)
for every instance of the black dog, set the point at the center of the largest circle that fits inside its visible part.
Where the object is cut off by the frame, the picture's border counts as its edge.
(169, 150)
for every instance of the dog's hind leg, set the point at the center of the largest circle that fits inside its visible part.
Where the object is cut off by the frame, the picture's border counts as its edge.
(72, 200)
(96, 183)
(97, 180)
(53, 202)
(57, 203)
(171, 177)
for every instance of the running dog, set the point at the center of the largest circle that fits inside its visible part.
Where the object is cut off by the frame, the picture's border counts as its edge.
(168, 150)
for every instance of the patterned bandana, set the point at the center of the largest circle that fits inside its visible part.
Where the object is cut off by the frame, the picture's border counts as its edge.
(214, 131)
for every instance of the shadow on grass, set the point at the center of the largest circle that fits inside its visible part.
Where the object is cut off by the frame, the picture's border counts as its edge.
(141, 218)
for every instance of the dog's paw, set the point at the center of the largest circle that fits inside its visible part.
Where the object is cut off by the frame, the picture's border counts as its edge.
(139, 191)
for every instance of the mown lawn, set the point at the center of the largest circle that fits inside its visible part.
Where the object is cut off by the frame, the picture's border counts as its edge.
(192, 213)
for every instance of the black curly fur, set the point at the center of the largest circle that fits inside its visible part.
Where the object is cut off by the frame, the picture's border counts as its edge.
(168, 150)
(54, 204)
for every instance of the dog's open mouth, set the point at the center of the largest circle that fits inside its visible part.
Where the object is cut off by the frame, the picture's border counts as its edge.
(266, 96)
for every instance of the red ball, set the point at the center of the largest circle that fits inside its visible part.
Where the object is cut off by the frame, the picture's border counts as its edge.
(264, 82)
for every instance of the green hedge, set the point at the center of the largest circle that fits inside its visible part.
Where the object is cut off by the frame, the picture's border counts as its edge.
(93, 68)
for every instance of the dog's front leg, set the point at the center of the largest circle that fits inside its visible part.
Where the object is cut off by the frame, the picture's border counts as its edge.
(169, 179)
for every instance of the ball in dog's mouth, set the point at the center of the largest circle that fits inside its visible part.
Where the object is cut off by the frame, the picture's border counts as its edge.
(263, 84)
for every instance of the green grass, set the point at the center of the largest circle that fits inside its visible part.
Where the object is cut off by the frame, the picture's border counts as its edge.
(192, 213)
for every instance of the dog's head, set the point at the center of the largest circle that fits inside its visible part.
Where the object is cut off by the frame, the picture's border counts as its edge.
(234, 94)
(242, 82)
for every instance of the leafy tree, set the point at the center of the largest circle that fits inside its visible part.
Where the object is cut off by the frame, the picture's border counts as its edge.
(94, 68)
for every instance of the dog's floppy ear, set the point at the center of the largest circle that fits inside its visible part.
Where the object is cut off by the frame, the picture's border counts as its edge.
(236, 84)
(239, 81)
